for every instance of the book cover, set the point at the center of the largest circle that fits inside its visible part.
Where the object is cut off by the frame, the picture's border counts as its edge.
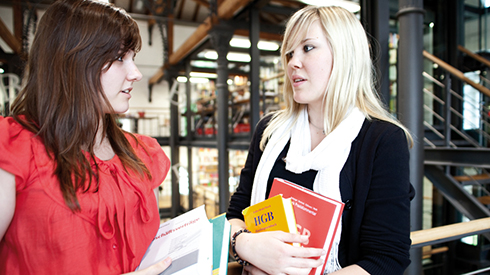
(274, 213)
(316, 215)
(221, 244)
(187, 240)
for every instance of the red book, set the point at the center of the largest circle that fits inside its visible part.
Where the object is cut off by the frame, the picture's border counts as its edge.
(316, 215)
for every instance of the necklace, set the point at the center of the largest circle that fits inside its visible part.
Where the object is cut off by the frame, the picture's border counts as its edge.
(319, 128)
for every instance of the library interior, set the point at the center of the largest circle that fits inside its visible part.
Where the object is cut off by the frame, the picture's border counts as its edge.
(211, 69)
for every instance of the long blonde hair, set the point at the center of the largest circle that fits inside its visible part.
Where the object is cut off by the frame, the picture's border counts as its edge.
(351, 81)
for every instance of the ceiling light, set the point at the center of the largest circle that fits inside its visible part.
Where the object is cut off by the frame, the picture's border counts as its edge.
(204, 64)
(240, 43)
(239, 57)
(348, 5)
(207, 75)
(244, 43)
(211, 55)
(267, 46)
(183, 79)
(231, 56)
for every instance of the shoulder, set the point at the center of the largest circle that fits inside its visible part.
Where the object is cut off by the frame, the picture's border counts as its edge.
(148, 149)
(13, 134)
(376, 129)
(141, 142)
(264, 121)
(17, 146)
(11, 128)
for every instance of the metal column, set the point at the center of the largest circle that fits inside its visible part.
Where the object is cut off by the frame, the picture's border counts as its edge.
(188, 115)
(375, 16)
(410, 106)
(254, 69)
(220, 37)
(174, 145)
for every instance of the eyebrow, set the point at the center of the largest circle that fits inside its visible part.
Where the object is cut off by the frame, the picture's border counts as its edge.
(308, 39)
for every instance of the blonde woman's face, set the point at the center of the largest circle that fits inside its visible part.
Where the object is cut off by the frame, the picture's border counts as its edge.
(309, 66)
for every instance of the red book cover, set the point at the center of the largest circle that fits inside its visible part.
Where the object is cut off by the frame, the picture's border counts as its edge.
(316, 215)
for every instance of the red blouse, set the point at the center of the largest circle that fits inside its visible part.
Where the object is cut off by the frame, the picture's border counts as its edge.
(109, 235)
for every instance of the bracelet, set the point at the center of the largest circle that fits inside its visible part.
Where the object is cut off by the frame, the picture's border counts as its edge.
(233, 244)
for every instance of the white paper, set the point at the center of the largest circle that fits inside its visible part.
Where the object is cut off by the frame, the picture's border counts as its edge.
(187, 240)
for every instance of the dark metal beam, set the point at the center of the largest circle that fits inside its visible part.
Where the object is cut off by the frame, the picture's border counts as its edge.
(410, 106)
(375, 15)
(476, 157)
(220, 36)
(174, 145)
(254, 69)
(189, 133)
(454, 192)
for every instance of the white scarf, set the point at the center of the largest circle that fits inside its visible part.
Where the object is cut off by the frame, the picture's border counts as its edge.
(328, 158)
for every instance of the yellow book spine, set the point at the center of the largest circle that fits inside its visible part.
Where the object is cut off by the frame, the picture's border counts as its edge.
(272, 214)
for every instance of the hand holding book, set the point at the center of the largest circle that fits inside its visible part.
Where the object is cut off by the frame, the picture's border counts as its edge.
(315, 217)
(272, 253)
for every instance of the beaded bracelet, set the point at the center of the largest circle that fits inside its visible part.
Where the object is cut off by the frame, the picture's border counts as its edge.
(233, 244)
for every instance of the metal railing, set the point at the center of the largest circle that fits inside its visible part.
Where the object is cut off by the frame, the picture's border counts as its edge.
(444, 119)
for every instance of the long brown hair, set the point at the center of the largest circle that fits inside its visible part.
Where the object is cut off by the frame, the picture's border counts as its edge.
(62, 101)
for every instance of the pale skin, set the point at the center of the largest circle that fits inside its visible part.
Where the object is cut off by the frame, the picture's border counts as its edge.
(270, 253)
(116, 82)
(309, 67)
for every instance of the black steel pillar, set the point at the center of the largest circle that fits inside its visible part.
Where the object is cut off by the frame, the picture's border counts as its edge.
(410, 106)
(189, 135)
(254, 69)
(375, 16)
(171, 76)
(220, 36)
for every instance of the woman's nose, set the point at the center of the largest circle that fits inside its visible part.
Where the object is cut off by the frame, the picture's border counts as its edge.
(294, 62)
(135, 74)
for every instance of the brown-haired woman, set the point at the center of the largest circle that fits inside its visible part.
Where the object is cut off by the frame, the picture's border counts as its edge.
(77, 192)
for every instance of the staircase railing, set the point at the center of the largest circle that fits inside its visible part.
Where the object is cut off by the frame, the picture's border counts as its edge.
(446, 103)
(443, 129)
(462, 181)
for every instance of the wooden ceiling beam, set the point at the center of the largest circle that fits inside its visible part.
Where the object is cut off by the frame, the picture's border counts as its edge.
(9, 38)
(181, 9)
(18, 20)
(196, 12)
(225, 11)
(202, 3)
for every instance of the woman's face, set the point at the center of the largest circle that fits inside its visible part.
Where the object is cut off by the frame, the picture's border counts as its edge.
(117, 81)
(309, 66)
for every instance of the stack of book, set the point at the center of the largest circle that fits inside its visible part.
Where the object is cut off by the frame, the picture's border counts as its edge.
(314, 215)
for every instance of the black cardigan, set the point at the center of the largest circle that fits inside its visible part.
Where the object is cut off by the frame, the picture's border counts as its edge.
(375, 187)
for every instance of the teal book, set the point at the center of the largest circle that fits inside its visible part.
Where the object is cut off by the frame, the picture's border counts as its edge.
(221, 244)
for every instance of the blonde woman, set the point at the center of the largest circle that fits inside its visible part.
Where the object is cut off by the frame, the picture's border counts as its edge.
(336, 138)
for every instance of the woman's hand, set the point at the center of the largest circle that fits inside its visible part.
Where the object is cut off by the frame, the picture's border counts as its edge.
(272, 253)
(154, 269)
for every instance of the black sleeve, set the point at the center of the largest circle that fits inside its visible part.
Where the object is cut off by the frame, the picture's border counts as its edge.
(241, 198)
(384, 239)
